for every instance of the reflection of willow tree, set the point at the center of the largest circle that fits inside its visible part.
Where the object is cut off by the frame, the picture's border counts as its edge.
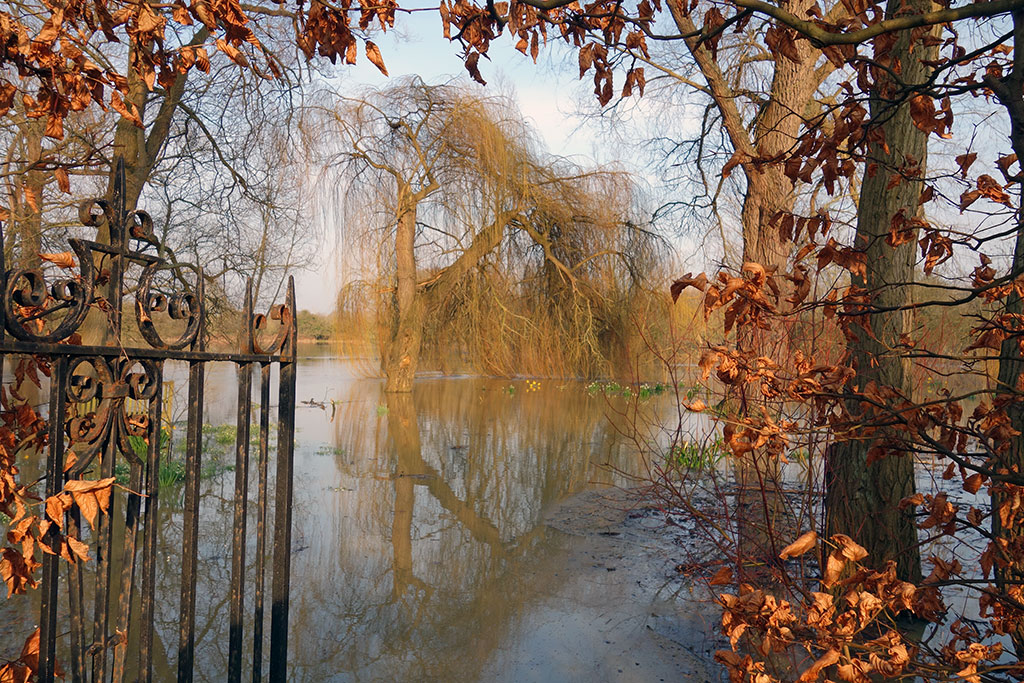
(214, 581)
(484, 247)
(411, 469)
(418, 567)
(417, 536)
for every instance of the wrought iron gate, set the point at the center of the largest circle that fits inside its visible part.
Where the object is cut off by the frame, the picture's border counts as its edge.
(100, 614)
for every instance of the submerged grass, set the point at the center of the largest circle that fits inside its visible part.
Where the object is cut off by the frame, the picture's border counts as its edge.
(218, 442)
(695, 455)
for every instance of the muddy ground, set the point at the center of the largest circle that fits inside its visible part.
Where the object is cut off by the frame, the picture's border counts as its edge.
(618, 604)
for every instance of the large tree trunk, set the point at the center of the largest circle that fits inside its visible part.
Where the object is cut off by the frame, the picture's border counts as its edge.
(27, 220)
(402, 353)
(27, 226)
(1010, 91)
(861, 498)
(759, 510)
(141, 151)
(776, 132)
(412, 303)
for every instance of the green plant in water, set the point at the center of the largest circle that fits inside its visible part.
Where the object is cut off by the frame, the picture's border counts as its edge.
(694, 455)
(642, 391)
(170, 473)
(647, 390)
(382, 410)
(172, 470)
(220, 434)
(799, 456)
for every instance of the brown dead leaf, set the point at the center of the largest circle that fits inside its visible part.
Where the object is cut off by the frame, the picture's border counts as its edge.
(64, 259)
(964, 161)
(91, 497)
(737, 158)
(723, 577)
(973, 483)
(63, 182)
(78, 548)
(707, 362)
(848, 548)
(699, 282)
(1005, 162)
(833, 568)
(233, 53)
(909, 501)
(801, 545)
(373, 54)
(31, 198)
(813, 673)
(55, 510)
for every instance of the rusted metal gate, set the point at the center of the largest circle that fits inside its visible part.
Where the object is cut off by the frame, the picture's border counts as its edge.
(103, 622)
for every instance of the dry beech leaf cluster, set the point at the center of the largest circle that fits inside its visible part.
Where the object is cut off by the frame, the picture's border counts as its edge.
(37, 526)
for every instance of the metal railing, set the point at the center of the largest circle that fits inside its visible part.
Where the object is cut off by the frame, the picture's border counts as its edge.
(102, 394)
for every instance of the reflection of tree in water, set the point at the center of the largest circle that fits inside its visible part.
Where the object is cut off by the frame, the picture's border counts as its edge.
(413, 538)
(213, 580)
(449, 488)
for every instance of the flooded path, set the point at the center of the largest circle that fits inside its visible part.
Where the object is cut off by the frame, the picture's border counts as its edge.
(432, 539)
(427, 555)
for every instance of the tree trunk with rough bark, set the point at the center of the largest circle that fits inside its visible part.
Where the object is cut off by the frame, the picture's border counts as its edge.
(402, 352)
(1010, 92)
(411, 302)
(776, 133)
(761, 152)
(861, 498)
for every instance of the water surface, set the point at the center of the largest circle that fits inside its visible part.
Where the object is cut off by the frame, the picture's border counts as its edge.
(419, 545)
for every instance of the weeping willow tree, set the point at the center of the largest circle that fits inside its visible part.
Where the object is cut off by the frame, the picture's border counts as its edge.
(565, 293)
(473, 245)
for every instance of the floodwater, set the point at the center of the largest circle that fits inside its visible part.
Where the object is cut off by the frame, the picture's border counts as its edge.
(420, 548)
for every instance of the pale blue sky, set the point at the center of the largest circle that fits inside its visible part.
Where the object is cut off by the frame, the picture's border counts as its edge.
(544, 91)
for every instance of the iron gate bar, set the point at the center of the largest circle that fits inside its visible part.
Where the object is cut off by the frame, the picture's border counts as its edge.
(283, 511)
(149, 548)
(75, 602)
(261, 523)
(241, 498)
(54, 483)
(104, 549)
(238, 540)
(190, 526)
(117, 394)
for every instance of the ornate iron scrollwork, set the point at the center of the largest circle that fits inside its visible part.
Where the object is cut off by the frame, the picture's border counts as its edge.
(107, 408)
(282, 314)
(29, 304)
(98, 389)
(185, 305)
